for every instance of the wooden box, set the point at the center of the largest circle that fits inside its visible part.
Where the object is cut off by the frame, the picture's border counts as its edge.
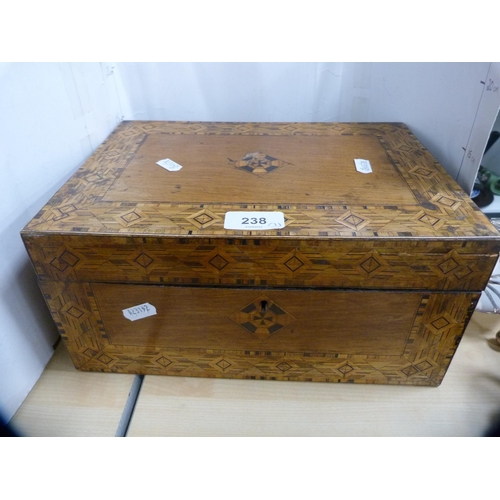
(372, 279)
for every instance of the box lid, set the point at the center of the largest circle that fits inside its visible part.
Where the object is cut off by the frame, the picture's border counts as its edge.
(122, 217)
(305, 170)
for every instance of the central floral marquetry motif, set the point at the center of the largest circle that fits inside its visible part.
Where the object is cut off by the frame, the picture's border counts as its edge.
(258, 163)
(262, 317)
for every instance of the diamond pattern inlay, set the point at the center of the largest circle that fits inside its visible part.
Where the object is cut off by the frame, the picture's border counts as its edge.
(423, 172)
(448, 266)
(353, 220)
(463, 272)
(69, 258)
(294, 263)
(130, 217)
(143, 260)
(370, 265)
(65, 260)
(75, 312)
(67, 209)
(93, 177)
(424, 365)
(429, 219)
(446, 201)
(347, 368)
(63, 212)
(223, 364)
(440, 323)
(104, 358)
(409, 370)
(454, 268)
(111, 154)
(283, 366)
(163, 361)
(218, 262)
(262, 317)
(204, 218)
(59, 264)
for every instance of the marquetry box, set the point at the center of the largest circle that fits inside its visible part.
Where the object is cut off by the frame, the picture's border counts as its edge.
(372, 279)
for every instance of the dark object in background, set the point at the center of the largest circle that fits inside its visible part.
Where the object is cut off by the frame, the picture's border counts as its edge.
(481, 194)
(494, 429)
(6, 430)
(486, 183)
(491, 140)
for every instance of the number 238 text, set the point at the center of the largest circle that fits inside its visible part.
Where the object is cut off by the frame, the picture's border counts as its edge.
(253, 220)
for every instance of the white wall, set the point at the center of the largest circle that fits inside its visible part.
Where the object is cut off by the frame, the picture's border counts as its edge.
(232, 91)
(438, 102)
(483, 124)
(54, 115)
(52, 118)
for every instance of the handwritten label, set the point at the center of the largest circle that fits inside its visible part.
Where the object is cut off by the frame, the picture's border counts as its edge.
(254, 221)
(139, 312)
(169, 164)
(471, 156)
(491, 86)
(363, 166)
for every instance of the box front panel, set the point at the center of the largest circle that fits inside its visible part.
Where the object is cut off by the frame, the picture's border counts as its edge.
(256, 320)
(331, 336)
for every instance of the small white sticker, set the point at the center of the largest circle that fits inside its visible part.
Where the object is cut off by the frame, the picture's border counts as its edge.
(139, 312)
(254, 221)
(169, 165)
(363, 166)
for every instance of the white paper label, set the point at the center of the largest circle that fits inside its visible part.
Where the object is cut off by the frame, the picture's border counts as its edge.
(139, 312)
(254, 221)
(363, 166)
(169, 165)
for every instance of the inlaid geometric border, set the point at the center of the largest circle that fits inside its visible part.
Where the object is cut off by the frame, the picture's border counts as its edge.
(374, 264)
(431, 344)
